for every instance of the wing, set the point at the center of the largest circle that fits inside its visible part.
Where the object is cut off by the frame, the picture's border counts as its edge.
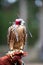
(10, 38)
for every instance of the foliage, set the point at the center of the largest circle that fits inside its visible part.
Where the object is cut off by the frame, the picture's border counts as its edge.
(7, 14)
(32, 23)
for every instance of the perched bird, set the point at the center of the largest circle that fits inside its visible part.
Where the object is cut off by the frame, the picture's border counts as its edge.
(16, 36)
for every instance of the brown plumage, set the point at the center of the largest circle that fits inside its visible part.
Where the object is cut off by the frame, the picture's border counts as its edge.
(12, 40)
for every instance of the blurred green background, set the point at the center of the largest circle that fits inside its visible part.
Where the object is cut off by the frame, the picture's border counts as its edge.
(8, 13)
(32, 13)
